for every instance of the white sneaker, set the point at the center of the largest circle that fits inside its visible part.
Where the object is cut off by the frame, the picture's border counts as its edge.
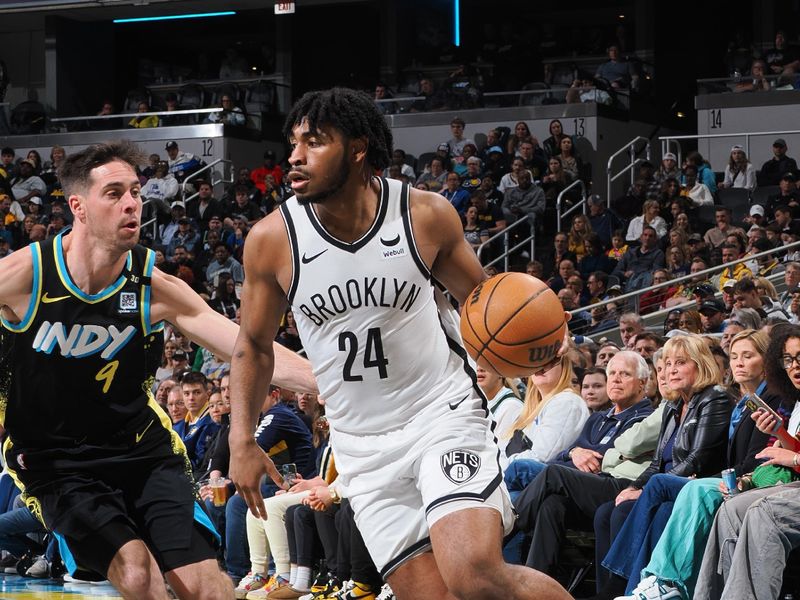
(40, 569)
(70, 579)
(650, 588)
(249, 583)
(386, 593)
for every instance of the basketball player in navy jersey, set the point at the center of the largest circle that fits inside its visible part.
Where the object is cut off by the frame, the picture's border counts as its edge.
(82, 322)
(360, 258)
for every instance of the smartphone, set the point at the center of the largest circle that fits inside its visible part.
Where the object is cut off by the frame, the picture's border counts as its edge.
(755, 403)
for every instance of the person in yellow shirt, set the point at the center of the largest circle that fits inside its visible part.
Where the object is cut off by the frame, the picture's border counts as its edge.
(738, 271)
(142, 122)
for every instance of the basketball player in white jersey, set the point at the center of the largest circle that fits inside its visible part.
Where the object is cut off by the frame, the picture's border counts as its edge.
(359, 259)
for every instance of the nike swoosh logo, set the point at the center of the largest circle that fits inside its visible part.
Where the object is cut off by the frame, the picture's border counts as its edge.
(139, 436)
(455, 405)
(393, 242)
(308, 259)
(47, 299)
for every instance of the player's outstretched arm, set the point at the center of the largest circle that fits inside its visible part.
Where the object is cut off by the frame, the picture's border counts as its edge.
(440, 237)
(16, 284)
(176, 302)
(263, 305)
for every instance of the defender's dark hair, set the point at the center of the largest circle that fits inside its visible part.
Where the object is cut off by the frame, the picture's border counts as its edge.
(75, 172)
(779, 381)
(351, 112)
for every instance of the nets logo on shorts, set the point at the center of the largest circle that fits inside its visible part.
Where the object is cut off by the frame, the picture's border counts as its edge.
(459, 466)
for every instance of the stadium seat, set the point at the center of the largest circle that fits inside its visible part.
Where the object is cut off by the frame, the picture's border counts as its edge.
(231, 89)
(734, 197)
(423, 160)
(132, 99)
(534, 99)
(706, 216)
(192, 95)
(761, 194)
(260, 97)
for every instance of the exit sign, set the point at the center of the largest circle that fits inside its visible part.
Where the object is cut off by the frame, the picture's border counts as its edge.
(284, 8)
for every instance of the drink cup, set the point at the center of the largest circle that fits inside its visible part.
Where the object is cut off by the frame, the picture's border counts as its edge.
(219, 487)
(729, 477)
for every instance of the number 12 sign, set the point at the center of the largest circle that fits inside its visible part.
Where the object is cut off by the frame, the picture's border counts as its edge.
(284, 8)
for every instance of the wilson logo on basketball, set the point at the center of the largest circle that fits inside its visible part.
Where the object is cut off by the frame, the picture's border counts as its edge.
(459, 466)
(476, 294)
(542, 354)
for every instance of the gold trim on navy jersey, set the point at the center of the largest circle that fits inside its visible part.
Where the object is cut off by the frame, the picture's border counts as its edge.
(66, 279)
(36, 291)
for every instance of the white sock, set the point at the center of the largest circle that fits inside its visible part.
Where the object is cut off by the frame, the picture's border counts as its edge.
(302, 582)
(292, 574)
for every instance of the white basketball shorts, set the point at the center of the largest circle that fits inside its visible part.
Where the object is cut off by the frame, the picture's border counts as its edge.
(401, 482)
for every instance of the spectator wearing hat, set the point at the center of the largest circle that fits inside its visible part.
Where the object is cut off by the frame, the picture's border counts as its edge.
(789, 235)
(27, 184)
(181, 164)
(712, 315)
(730, 252)
(787, 196)
(604, 223)
(703, 292)
(739, 172)
(495, 164)
(177, 210)
(268, 167)
(727, 294)
(668, 169)
(185, 236)
(775, 167)
(756, 218)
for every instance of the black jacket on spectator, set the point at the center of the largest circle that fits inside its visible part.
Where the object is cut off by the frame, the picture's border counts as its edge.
(701, 441)
(605, 225)
(747, 440)
(773, 170)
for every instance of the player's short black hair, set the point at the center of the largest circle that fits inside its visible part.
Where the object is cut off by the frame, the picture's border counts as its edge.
(351, 112)
(75, 172)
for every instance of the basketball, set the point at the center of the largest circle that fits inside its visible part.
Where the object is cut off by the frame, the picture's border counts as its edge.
(512, 324)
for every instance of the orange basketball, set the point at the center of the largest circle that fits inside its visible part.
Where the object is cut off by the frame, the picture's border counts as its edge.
(513, 324)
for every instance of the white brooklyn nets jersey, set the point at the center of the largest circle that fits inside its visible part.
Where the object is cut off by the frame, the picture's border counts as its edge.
(370, 323)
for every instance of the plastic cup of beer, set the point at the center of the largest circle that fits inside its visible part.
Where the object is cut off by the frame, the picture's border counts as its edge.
(219, 489)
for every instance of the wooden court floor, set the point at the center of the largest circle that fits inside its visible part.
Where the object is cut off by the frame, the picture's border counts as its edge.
(14, 587)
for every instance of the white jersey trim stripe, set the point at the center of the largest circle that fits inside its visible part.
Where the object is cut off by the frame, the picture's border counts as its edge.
(292, 234)
(405, 211)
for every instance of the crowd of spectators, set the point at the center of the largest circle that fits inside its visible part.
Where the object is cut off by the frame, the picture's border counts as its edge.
(577, 422)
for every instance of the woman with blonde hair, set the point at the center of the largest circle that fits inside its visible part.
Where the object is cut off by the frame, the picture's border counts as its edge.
(650, 216)
(765, 288)
(692, 443)
(552, 416)
(578, 233)
(690, 504)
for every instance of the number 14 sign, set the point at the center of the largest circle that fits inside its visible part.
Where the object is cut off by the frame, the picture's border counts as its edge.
(284, 8)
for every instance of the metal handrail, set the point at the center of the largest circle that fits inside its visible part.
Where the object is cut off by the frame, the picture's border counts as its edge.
(718, 268)
(200, 171)
(560, 196)
(504, 234)
(747, 135)
(631, 148)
